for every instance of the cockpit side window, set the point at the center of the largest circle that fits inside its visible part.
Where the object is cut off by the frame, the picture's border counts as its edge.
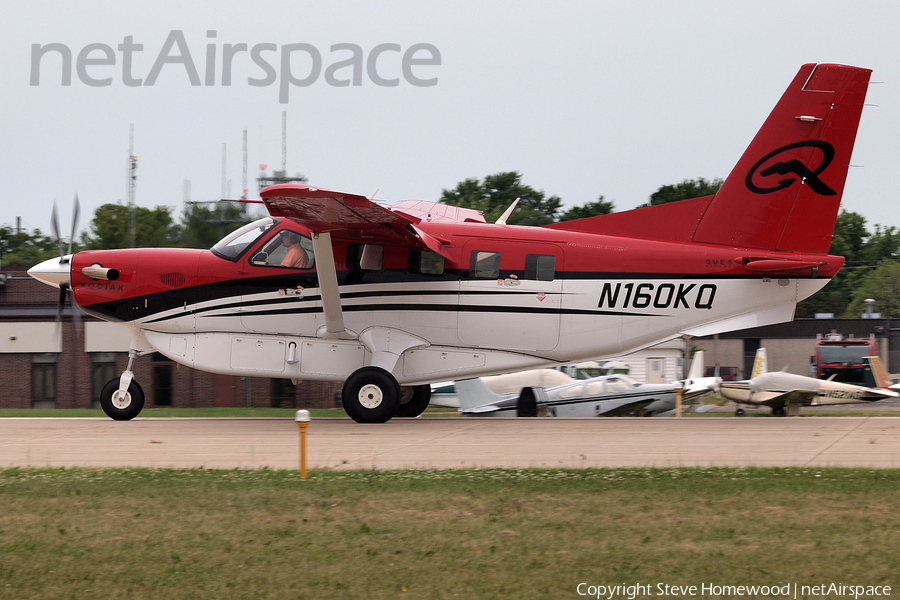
(233, 245)
(288, 249)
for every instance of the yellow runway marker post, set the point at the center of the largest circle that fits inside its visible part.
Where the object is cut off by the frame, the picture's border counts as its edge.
(679, 390)
(302, 419)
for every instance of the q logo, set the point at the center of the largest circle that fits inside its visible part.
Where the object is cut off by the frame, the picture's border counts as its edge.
(802, 171)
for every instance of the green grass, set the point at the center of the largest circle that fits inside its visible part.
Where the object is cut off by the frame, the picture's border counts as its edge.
(139, 533)
(431, 411)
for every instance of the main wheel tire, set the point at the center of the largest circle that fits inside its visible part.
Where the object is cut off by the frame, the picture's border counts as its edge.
(414, 400)
(122, 407)
(739, 412)
(371, 395)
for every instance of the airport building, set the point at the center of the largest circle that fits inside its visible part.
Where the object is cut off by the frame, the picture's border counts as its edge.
(45, 364)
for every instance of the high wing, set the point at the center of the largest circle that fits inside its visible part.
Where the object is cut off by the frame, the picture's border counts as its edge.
(354, 216)
(324, 210)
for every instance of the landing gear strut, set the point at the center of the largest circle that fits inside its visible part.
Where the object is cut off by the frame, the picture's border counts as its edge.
(371, 395)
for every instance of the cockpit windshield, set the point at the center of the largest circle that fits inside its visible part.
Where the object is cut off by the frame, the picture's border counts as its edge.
(233, 245)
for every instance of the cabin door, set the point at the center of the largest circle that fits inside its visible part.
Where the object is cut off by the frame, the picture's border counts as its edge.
(510, 297)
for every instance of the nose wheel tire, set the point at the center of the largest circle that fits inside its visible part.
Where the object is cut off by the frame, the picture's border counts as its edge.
(371, 395)
(413, 400)
(122, 406)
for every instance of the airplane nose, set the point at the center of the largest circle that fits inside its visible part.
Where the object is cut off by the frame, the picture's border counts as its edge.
(53, 271)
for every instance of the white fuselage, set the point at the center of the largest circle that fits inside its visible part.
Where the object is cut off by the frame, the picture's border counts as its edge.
(467, 328)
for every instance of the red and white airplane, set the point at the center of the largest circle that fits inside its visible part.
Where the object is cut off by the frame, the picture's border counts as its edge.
(391, 298)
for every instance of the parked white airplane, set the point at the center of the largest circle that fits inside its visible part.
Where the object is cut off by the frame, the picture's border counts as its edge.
(697, 385)
(607, 395)
(782, 390)
(526, 394)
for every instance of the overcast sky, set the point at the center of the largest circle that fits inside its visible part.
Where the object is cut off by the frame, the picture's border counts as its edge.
(583, 98)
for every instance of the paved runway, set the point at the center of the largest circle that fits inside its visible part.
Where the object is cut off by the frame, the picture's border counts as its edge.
(453, 442)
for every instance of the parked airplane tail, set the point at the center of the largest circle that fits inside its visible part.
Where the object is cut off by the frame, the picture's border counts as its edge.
(698, 365)
(875, 373)
(785, 191)
(760, 364)
(473, 392)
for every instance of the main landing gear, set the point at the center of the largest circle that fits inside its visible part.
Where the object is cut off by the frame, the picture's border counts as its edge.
(372, 395)
(414, 400)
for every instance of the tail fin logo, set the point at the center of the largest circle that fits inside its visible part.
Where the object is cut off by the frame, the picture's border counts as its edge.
(767, 168)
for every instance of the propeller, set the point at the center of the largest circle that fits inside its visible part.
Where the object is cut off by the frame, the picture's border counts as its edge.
(65, 288)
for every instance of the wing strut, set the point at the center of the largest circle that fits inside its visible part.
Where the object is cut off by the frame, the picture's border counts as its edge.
(328, 287)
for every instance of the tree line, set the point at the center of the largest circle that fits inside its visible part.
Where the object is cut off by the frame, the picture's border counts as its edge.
(871, 268)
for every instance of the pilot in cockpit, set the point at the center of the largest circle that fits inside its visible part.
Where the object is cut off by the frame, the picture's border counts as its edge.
(296, 257)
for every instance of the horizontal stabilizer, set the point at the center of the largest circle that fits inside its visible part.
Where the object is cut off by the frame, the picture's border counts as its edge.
(878, 393)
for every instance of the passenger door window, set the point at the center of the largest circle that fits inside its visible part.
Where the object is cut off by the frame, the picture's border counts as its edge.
(484, 265)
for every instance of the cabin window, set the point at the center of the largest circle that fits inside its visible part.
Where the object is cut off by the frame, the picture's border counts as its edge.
(485, 265)
(426, 262)
(364, 257)
(572, 391)
(539, 267)
(594, 388)
(617, 385)
(286, 249)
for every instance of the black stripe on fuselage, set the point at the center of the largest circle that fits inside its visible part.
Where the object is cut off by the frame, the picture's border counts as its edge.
(150, 305)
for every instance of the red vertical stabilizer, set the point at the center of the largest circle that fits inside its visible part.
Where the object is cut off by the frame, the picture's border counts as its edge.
(785, 191)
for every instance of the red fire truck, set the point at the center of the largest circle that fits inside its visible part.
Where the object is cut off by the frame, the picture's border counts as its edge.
(842, 358)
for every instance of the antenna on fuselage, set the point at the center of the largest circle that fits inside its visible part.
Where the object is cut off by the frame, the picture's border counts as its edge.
(505, 215)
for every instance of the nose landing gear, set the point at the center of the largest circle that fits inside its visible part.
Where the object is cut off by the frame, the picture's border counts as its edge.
(119, 405)
(122, 398)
